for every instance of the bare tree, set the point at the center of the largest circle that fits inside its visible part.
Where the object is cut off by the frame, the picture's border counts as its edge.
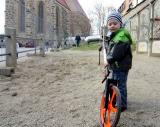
(91, 17)
(100, 14)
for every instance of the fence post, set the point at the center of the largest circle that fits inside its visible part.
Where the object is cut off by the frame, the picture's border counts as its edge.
(42, 47)
(151, 29)
(138, 33)
(35, 46)
(11, 60)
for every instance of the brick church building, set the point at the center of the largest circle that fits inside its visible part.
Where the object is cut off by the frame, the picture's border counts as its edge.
(50, 20)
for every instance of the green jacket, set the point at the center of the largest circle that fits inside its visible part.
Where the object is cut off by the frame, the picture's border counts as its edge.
(119, 54)
(122, 35)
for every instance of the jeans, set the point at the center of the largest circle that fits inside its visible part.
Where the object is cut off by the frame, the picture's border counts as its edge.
(121, 76)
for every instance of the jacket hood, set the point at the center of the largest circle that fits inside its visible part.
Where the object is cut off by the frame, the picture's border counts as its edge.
(121, 36)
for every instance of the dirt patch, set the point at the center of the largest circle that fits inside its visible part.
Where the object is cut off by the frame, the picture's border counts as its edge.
(63, 89)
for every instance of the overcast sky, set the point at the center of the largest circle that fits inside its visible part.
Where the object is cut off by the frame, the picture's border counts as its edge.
(87, 5)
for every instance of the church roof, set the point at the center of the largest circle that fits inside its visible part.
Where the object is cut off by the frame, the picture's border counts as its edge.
(63, 3)
(72, 5)
(75, 6)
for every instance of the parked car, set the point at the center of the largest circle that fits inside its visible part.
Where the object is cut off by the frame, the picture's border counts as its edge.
(70, 41)
(93, 38)
(29, 45)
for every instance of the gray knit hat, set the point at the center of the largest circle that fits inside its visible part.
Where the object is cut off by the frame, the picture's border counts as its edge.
(115, 15)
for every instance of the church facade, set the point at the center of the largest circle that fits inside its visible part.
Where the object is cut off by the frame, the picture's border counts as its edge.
(50, 20)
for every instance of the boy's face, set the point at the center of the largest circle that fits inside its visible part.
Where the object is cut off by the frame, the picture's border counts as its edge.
(113, 25)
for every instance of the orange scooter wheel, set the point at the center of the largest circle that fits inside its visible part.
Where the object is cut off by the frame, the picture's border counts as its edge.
(110, 115)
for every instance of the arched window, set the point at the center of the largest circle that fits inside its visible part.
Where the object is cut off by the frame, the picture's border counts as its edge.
(21, 16)
(40, 17)
(57, 20)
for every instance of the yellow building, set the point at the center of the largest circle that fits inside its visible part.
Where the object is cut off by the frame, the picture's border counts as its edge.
(127, 5)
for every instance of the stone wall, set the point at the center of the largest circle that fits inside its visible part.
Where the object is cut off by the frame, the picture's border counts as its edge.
(31, 20)
(10, 20)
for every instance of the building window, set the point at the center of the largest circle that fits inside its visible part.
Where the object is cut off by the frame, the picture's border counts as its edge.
(40, 17)
(22, 16)
(57, 19)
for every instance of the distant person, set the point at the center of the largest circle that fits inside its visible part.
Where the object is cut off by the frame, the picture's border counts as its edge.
(47, 46)
(78, 39)
(65, 42)
(17, 47)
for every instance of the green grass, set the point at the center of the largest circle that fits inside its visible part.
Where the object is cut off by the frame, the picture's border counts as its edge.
(85, 47)
(94, 46)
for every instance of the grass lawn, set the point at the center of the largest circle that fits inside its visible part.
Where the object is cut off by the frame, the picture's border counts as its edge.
(85, 46)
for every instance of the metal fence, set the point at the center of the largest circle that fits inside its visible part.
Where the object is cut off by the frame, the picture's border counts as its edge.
(21, 52)
(11, 49)
(3, 53)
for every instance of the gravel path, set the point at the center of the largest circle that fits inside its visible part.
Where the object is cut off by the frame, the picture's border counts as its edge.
(63, 90)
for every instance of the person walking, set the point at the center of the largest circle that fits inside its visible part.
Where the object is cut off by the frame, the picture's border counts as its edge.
(78, 39)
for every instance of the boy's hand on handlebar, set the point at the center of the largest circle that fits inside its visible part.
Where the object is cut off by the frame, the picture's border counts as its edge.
(106, 65)
(100, 49)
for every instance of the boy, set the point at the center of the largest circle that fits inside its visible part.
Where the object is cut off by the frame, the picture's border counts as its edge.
(119, 54)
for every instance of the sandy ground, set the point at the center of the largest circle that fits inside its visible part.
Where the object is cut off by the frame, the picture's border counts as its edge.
(63, 89)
